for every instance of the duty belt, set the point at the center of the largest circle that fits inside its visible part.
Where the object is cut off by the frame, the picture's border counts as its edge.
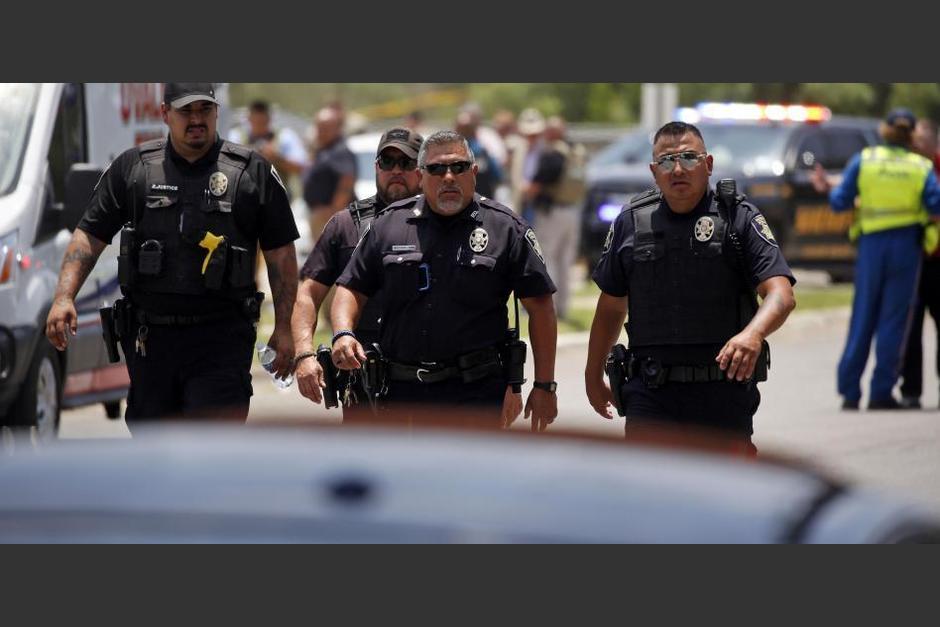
(655, 371)
(425, 373)
(145, 317)
(470, 367)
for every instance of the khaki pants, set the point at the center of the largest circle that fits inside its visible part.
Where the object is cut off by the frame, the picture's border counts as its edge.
(558, 232)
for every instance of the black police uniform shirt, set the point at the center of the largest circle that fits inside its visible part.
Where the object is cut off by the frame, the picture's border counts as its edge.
(330, 164)
(329, 257)
(446, 280)
(763, 259)
(261, 208)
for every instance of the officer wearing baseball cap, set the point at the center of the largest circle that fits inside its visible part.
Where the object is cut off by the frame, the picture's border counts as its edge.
(192, 210)
(894, 193)
(396, 178)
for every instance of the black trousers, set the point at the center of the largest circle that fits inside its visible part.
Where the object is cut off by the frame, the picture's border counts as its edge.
(195, 371)
(722, 409)
(912, 370)
(447, 403)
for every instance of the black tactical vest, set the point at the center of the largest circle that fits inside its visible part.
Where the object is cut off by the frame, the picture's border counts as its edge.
(685, 286)
(363, 213)
(181, 214)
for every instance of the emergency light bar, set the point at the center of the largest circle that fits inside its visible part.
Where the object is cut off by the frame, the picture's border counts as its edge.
(752, 112)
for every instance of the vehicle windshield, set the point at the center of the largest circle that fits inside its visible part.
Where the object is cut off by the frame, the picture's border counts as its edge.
(17, 105)
(750, 148)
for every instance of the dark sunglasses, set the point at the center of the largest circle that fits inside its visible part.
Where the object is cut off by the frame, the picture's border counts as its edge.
(440, 169)
(388, 163)
(687, 160)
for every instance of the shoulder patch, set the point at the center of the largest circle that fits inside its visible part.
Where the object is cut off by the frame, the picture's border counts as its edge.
(534, 243)
(759, 223)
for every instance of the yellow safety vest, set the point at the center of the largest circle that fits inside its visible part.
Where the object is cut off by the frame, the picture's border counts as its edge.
(890, 189)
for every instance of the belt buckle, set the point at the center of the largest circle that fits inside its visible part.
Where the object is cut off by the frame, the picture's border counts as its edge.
(418, 373)
(421, 370)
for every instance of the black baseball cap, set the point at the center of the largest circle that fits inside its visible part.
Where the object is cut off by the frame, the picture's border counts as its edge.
(405, 140)
(901, 117)
(179, 95)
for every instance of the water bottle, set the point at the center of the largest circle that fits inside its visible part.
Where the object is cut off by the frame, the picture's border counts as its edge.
(266, 357)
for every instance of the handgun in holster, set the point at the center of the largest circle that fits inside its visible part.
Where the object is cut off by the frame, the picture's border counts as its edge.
(330, 391)
(513, 357)
(109, 332)
(374, 374)
(617, 369)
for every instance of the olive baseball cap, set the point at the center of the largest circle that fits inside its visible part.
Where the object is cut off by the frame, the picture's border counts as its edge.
(405, 140)
(179, 95)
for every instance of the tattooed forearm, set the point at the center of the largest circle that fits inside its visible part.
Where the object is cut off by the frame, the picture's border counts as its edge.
(282, 275)
(80, 257)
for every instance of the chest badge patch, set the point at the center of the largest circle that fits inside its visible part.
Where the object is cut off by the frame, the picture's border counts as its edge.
(478, 240)
(763, 229)
(534, 243)
(704, 229)
(218, 183)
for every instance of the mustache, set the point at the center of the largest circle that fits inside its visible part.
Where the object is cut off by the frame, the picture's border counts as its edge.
(193, 127)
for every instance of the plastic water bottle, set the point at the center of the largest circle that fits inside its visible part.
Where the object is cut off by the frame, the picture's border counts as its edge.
(266, 357)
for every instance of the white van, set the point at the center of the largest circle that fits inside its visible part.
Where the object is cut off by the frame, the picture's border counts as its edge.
(55, 141)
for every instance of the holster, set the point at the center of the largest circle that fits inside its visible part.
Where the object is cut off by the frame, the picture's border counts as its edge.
(109, 333)
(215, 271)
(513, 356)
(375, 373)
(617, 370)
(330, 391)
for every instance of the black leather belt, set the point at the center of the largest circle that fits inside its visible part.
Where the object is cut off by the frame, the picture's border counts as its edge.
(144, 317)
(653, 371)
(425, 373)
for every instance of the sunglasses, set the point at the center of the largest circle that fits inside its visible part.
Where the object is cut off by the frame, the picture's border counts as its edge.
(687, 160)
(440, 169)
(388, 163)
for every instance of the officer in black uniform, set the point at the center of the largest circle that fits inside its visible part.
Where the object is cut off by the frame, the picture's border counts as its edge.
(396, 177)
(685, 262)
(447, 261)
(192, 210)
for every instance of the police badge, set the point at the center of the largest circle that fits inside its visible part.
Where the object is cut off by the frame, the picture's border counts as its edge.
(704, 229)
(218, 183)
(534, 243)
(478, 240)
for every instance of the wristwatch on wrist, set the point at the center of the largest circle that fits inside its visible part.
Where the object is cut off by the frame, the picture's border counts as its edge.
(548, 386)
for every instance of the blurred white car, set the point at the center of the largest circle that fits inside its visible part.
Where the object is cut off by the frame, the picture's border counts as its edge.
(235, 483)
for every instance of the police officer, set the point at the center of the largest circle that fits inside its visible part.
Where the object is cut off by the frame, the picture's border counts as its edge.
(685, 267)
(193, 210)
(447, 261)
(895, 188)
(396, 177)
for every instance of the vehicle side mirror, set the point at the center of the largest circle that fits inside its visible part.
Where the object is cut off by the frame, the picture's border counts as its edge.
(79, 184)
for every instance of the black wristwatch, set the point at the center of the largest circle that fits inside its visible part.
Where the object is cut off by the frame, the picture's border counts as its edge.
(548, 386)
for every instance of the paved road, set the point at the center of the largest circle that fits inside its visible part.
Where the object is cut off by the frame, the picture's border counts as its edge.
(898, 452)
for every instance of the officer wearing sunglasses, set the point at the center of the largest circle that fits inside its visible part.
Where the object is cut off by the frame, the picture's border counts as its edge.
(683, 264)
(446, 262)
(396, 178)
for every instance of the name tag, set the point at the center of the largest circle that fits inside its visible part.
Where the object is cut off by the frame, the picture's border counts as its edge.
(403, 248)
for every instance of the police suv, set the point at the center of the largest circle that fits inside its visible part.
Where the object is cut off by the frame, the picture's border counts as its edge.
(771, 151)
